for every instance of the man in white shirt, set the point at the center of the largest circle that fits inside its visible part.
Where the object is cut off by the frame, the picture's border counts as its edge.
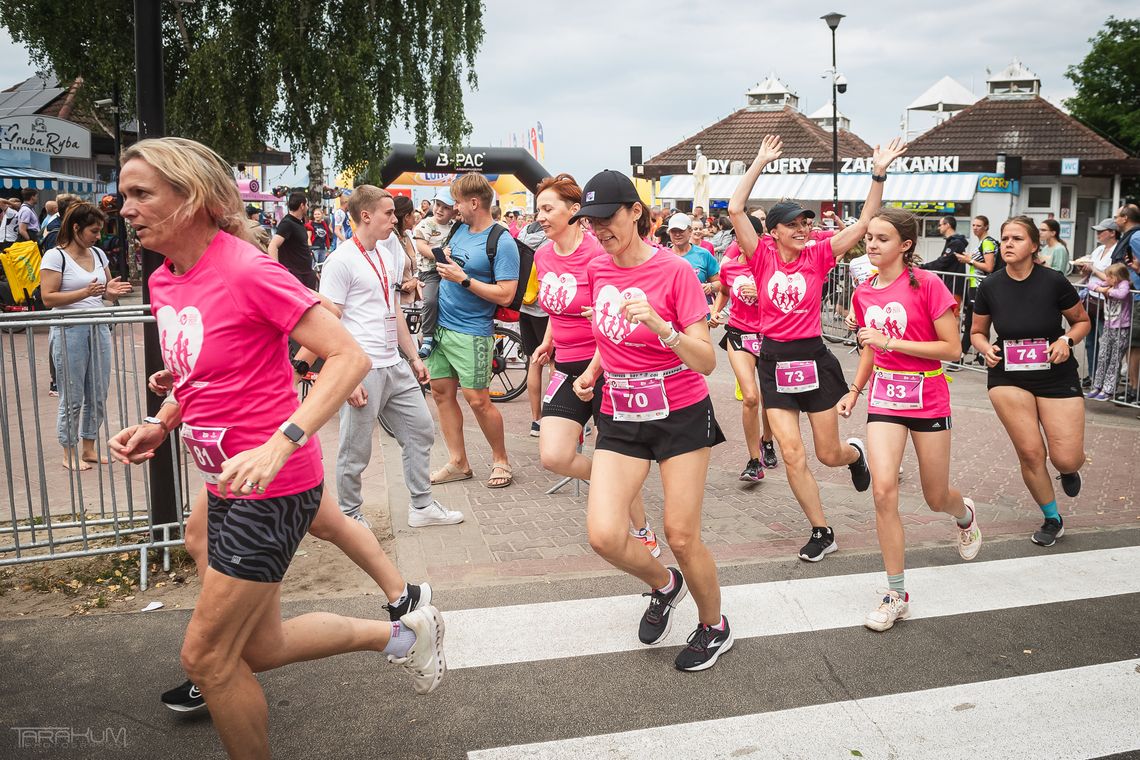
(362, 279)
(10, 223)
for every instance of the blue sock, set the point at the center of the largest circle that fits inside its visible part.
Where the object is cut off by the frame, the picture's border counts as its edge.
(896, 584)
(1050, 510)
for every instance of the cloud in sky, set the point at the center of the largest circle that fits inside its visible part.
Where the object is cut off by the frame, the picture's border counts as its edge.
(603, 75)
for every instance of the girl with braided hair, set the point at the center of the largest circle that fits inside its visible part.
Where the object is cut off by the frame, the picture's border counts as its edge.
(907, 329)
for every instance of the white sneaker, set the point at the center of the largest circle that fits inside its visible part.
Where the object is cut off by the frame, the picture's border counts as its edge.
(433, 514)
(970, 539)
(892, 608)
(425, 660)
(360, 518)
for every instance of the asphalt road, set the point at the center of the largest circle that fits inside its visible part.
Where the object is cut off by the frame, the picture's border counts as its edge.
(1005, 677)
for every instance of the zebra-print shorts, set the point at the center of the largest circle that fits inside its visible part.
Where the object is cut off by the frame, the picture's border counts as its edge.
(254, 539)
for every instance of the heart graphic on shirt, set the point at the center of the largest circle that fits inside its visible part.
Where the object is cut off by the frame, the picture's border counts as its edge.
(607, 312)
(786, 292)
(557, 292)
(180, 335)
(890, 319)
(738, 282)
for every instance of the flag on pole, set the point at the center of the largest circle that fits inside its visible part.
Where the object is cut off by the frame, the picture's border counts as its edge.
(534, 142)
(541, 144)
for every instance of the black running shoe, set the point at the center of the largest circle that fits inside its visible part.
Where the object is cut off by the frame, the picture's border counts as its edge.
(418, 596)
(753, 472)
(706, 644)
(1070, 484)
(821, 543)
(184, 698)
(769, 450)
(1049, 532)
(860, 472)
(658, 617)
(1086, 383)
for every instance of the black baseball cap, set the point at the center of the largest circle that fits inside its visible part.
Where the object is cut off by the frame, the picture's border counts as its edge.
(785, 212)
(252, 210)
(605, 193)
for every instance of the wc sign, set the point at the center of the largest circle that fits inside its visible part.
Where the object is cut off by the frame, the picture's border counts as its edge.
(1070, 167)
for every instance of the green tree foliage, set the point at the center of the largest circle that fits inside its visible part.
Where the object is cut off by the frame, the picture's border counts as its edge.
(322, 75)
(1108, 83)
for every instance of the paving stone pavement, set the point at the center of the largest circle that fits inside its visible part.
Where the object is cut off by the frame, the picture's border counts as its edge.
(521, 534)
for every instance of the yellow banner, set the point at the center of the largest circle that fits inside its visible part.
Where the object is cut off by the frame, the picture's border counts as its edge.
(22, 267)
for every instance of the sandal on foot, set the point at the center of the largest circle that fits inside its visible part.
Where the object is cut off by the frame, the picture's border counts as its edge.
(449, 473)
(500, 481)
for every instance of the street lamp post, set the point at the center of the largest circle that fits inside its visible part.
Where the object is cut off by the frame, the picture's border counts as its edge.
(833, 20)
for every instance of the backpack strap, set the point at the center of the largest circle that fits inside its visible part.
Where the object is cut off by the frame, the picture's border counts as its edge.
(497, 231)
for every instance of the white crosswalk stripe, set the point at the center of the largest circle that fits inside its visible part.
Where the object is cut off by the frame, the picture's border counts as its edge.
(582, 627)
(990, 719)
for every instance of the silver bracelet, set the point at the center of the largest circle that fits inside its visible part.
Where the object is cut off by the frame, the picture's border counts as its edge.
(673, 339)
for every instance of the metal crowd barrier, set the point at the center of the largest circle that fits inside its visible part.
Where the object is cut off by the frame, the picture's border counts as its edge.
(837, 303)
(57, 513)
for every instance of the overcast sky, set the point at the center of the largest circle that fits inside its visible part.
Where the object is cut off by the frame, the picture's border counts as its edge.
(603, 75)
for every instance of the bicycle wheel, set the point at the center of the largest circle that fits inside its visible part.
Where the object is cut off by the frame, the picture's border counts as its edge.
(509, 366)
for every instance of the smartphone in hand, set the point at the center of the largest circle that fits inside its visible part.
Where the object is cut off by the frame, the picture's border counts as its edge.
(440, 256)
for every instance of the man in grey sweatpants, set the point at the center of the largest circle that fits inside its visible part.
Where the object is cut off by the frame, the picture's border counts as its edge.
(361, 278)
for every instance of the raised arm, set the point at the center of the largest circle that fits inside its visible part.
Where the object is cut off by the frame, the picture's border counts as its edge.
(844, 240)
(770, 149)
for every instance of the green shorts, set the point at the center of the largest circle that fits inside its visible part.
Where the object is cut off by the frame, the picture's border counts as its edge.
(466, 357)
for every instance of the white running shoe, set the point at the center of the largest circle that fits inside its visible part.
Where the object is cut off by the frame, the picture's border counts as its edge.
(970, 539)
(433, 514)
(425, 660)
(892, 608)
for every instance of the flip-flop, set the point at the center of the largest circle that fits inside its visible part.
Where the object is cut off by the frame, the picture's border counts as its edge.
(449, 473)
(508, 477)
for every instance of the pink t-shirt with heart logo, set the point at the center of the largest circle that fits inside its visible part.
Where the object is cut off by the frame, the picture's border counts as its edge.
(907, 313)
(224, 331)
(666, 281)
(563, 292)
(743, 311)
(790, 293)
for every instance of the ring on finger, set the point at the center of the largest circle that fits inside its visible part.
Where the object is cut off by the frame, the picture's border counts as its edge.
(259, 488)
(250, 484)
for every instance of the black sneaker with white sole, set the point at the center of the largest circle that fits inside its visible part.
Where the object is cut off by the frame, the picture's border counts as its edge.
(860, 472)
(184, 698)
(1070, 484)
(658, 617)
(706, 645)
(769, 451)
(753, 472)
(821, 543)
(418, 596)
(1049, 532)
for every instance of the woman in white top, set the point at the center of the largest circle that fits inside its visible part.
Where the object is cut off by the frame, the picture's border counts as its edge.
(75, 275)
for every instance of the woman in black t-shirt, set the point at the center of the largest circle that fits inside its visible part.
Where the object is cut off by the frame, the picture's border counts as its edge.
(1033, 381)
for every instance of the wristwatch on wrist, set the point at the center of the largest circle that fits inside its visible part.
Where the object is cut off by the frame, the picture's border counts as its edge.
(878, 178)
(156, 421)
(466, 282)
(301, 367)
(1068, 340)
(294, 433)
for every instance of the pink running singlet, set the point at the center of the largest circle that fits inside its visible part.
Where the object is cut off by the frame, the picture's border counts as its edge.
(790, 294)
(563, 291)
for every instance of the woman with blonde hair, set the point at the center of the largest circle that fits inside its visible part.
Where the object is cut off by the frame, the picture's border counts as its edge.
(225, 314)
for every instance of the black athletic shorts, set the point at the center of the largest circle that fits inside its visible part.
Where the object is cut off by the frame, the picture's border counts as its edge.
(1062, 381)
(732, 338)
(688, 429)
(832, 385)
(532, 329)
(565, 403)
(913, 424)
(254, 539)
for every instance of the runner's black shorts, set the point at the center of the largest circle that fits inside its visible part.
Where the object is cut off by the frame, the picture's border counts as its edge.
(913, 424)
(732, 337)
(255, 539)
(687, 429)
(1060, 381)
(532, 330)
(565, 403)
(832, 385)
